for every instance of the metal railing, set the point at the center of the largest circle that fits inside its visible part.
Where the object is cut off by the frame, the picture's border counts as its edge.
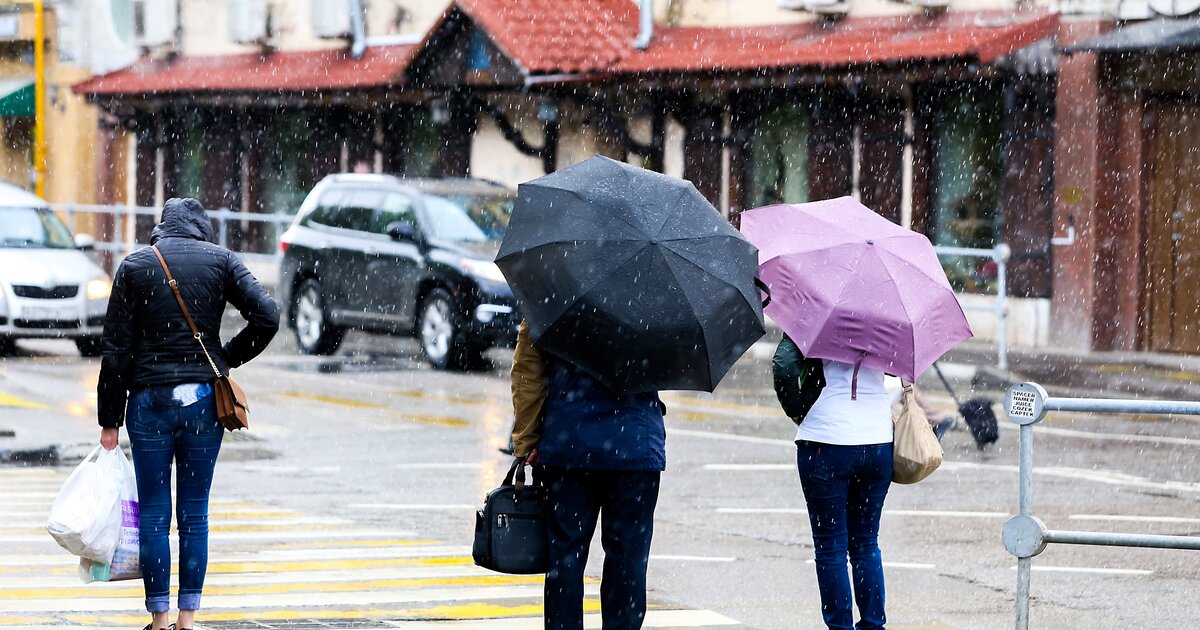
(230, 228)
(1000, 254)
(1025, 535)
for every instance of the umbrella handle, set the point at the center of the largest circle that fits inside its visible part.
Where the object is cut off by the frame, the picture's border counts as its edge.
(762, 286)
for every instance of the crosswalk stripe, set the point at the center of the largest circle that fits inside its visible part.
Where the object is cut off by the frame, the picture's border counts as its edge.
(272, 563)
(278, 555)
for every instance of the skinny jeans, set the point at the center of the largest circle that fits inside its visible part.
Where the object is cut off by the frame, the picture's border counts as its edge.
(844, 487)
(163, 431)
(623, 501)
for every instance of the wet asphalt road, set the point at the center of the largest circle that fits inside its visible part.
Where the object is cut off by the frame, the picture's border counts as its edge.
(375, 437)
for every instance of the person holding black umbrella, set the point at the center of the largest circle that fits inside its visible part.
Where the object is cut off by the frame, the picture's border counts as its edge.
(630, 282)
(598, 451)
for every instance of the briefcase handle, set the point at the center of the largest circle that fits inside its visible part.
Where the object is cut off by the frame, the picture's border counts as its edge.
(516, 474)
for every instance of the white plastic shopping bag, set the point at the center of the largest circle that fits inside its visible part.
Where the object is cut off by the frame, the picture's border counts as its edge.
(85, 517)
(124, 565)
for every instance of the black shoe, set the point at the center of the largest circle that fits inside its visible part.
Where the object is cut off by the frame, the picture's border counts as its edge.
(170, 627)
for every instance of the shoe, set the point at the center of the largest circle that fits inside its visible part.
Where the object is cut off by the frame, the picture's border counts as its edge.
(942, 427)
(170, 627)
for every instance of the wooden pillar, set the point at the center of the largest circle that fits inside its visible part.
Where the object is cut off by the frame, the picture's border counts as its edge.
(830, 146)
(741, 118)
(704, 128)
(924, 171)
(458, 133)
(106, 183)
(881, 158)
(220, 171)
(146, 176)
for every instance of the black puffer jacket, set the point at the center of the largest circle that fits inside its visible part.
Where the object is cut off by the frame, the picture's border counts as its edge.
(146, 338)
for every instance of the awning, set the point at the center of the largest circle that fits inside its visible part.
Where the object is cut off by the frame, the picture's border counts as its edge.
(1152, 36)
(16, 97)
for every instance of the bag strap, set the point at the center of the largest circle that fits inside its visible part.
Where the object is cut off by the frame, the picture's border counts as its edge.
(183, 307)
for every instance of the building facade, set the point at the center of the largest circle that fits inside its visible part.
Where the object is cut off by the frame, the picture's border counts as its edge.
(962, 121)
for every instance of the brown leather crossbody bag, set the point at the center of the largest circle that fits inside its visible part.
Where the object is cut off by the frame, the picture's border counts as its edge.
(232, 410)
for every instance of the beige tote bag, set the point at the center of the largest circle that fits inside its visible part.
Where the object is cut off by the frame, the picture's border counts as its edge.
(915, 449)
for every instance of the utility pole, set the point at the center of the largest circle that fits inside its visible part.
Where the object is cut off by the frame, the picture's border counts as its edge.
(39, 98)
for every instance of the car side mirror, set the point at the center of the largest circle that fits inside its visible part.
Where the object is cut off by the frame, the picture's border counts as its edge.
(403, 231)
(85, 242)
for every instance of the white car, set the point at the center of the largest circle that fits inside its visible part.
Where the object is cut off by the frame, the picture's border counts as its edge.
(48, 287)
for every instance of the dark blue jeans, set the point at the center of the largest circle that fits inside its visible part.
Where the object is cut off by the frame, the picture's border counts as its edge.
(577, 498)
(161, 431)
(844, 487)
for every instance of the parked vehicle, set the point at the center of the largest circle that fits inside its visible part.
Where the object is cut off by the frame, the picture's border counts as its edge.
(48, 285)
(400, 256)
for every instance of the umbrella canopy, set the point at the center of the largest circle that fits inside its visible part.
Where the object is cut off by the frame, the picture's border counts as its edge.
(632, 276)
(848, 285)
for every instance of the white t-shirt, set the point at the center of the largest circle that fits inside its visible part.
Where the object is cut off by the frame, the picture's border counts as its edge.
(836, 419)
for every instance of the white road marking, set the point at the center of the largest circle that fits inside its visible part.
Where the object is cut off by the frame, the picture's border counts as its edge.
(922, 566)
(297, 600)
(1108, 437)
(591, 621)
(279, 555)
(934, 513)
(1097, 570)
(1135, 519)
(277, 577)
(290, 470)
(413, 506)
(252, 536)
(440, 465)
(739, 467)
(655, 556)
(275, 521)
(731, 437)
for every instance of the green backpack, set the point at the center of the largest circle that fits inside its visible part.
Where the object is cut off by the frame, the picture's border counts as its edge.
(798, 381)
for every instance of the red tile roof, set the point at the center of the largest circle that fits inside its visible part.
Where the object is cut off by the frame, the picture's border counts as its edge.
(596, 36)
(553, 36)
(984, 36)
(310, 70)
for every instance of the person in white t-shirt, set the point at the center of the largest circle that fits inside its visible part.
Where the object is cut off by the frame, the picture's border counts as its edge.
(844, 457)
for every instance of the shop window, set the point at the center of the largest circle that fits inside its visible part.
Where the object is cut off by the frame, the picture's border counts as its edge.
(285, 170)
(779, 157)
(970, 165)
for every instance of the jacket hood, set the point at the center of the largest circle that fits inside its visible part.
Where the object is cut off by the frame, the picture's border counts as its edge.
(183, 218)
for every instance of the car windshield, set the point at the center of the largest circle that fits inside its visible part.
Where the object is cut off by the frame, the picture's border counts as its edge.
(468, 217)
(32, 227)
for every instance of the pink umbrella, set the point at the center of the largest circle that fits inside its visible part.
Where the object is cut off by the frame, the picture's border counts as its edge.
(848, 285)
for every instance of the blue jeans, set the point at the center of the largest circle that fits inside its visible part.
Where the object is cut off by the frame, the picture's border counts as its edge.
(844, 487)
(576, 500)
(163, 430)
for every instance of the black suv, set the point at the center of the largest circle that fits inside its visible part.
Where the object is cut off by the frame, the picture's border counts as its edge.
(400, 256)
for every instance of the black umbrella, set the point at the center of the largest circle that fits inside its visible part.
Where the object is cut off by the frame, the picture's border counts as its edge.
(632, 276)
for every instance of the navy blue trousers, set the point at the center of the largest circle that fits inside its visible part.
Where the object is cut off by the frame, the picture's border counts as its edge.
(623, 502)
(161, 432)
(844, 487)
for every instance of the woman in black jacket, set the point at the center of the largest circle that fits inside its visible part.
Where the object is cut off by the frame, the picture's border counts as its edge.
(155, 379)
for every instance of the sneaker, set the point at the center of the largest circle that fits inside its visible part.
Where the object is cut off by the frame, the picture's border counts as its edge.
(940, 429)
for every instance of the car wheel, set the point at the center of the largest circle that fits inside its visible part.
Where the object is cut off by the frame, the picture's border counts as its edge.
(8, 346)
(441, 335)
(89, 346)
(315, 334)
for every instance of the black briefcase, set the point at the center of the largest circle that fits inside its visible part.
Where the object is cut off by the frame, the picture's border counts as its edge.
(510, 529)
